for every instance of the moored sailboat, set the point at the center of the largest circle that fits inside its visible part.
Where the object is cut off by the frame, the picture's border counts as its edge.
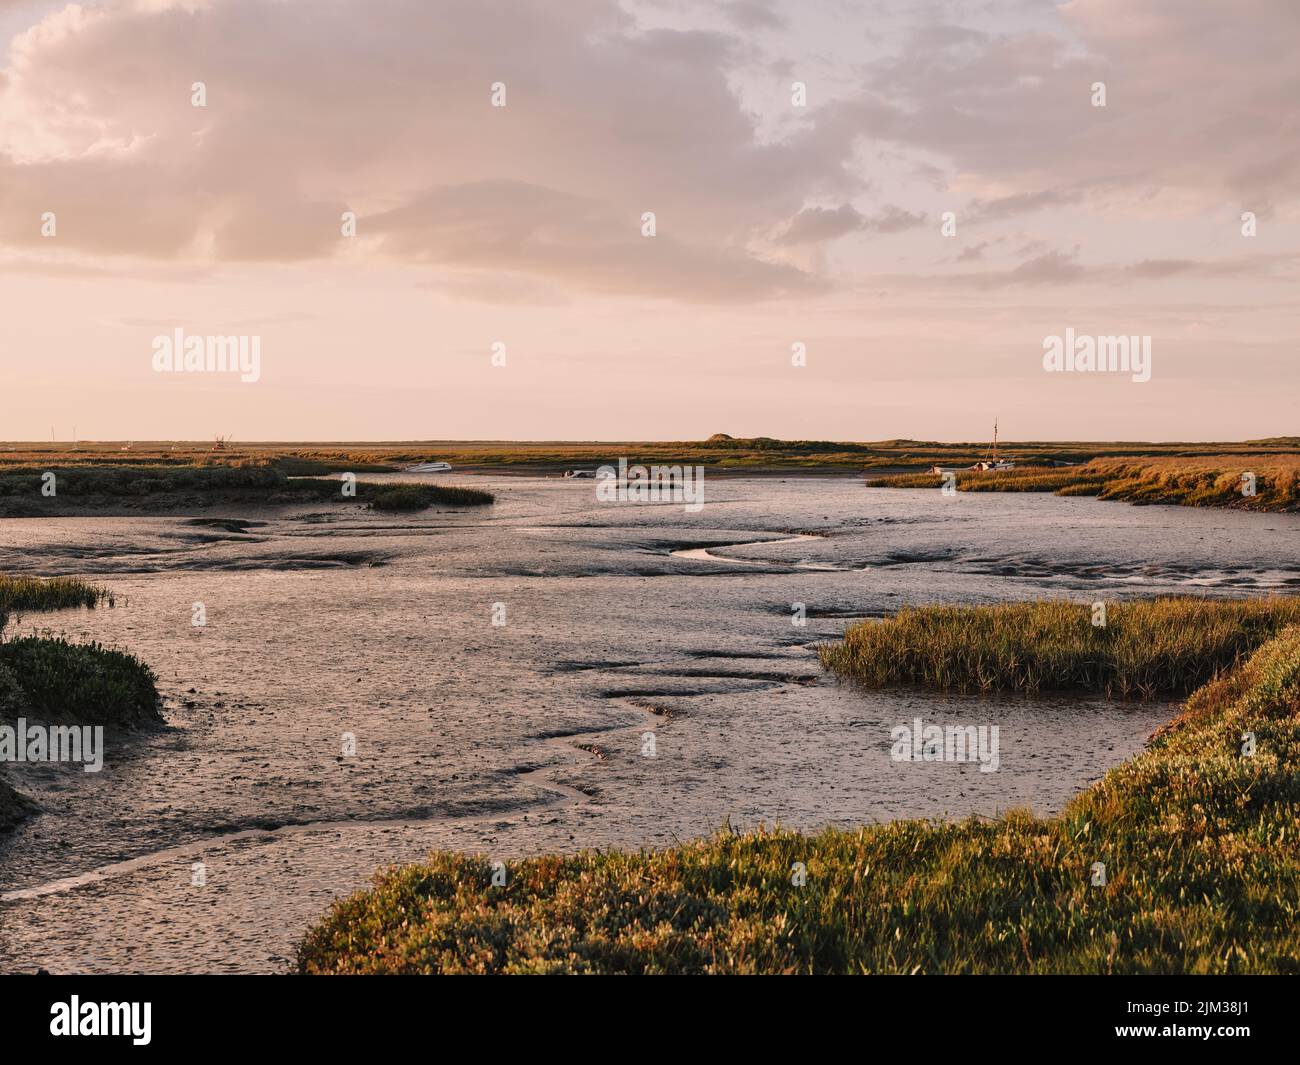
(988, 465)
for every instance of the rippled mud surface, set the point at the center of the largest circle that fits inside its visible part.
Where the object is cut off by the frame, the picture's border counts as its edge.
(630, 629)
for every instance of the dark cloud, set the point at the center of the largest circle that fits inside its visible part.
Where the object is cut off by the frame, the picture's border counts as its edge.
(753, 15)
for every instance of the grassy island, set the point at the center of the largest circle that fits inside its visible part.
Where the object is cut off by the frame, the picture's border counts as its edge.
(163, 489)
(47, 678)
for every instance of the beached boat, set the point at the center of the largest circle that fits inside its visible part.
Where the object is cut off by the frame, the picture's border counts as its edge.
(428, 467)
(579, 473)
(992, 464)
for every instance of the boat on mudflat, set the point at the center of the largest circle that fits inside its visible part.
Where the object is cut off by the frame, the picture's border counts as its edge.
(988, 465)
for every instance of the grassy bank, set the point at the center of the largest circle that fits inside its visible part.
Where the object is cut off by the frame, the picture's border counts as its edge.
(47, 678)
(1146, 648)
(1207, 481)
(167, 488)
(1198, 841)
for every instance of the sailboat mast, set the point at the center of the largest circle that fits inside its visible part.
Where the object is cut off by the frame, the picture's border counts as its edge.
(995, 440)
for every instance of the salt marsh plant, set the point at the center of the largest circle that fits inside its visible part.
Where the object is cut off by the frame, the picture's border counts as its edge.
(1248, 482)
(420, 496)
(81, 681)
(181, 487)
(47, 676)
(1147, 648)
(18, 594)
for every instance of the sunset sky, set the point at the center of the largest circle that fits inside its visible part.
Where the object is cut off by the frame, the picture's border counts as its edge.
(775, 224)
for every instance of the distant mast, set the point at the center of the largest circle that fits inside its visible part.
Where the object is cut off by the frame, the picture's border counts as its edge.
(989, 462)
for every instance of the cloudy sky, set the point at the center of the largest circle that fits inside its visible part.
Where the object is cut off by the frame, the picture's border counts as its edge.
(778, 221)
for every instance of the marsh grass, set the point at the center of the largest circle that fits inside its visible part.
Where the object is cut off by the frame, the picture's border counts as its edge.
(1147, 648)
(47, 676)
(1199, 844)
(419, 496)
(81, 681)
(139, 482)
(297, 466)
(1190, 481)
(176, 487)
(18, 594)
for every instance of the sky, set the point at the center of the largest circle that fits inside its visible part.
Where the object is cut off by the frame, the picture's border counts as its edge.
(868, 218)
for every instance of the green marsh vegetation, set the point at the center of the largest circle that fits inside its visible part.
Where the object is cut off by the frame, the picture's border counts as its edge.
(46, 677)
(84, 682)
(49, 677)
(1197, 837)
(18, 594)
(1146, 648)
(146, 488)
(420, 496)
